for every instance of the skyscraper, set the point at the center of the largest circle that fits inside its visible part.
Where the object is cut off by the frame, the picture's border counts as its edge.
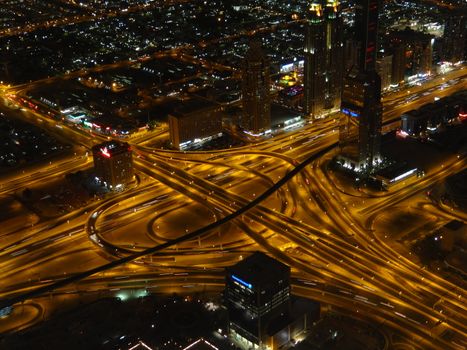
(455, 37)
(323, 53)
(256, 85)
(366, 31)
(398, 61)
(360, 127)
(384, 69)
(412, 53)
(351, 51)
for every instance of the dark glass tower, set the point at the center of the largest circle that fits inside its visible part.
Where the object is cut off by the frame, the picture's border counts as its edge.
(360, 128)
(257, 290)
(323, 53)
(366, 31)
(455, 38)
(412, 53)
(256, 85)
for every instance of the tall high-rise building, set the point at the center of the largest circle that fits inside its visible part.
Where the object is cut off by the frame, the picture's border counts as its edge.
(384, 69)
(323, 53)
(412, 54)
(351, 51)
(360, 127)
(113, 163)
(455, 37)
(256, 86)
(366, 32)
(398, 61)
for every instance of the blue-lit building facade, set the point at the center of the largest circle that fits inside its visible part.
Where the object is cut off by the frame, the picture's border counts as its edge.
(257, 289)
(262, 312)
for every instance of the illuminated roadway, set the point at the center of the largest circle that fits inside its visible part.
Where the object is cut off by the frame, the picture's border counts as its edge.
(325, 235)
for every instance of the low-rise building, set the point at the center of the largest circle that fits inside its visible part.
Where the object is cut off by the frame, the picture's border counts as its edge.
(429, 117)
(193, 122)
(113, 164)
(413, 122)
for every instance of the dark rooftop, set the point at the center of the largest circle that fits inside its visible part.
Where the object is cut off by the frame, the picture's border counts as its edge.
(411, 35)
(414, 114)
(187, 107)
(111, 147)
(280, 114)
(394, 170)
(201, 344)
(255, 52)
(114, 122)
(259, 268)
(454, 225)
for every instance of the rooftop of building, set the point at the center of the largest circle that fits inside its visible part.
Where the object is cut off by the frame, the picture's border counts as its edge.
(192, 105)
(410, 34)
(111, 148)
(281, 114)
(255, 52)
(454, 225)
(361, 76)
(201, 344)
(258, 269)
(414, 113)
(462, 94)
(396, 170)
(140, 346)
(114, 122)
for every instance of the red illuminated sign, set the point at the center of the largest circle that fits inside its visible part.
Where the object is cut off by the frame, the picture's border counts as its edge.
(105, 152)
(401, 133)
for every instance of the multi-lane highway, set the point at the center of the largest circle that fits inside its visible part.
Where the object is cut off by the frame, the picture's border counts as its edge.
(327, 234)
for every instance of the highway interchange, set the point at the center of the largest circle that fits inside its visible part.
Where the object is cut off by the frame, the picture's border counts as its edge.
(325, 234)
